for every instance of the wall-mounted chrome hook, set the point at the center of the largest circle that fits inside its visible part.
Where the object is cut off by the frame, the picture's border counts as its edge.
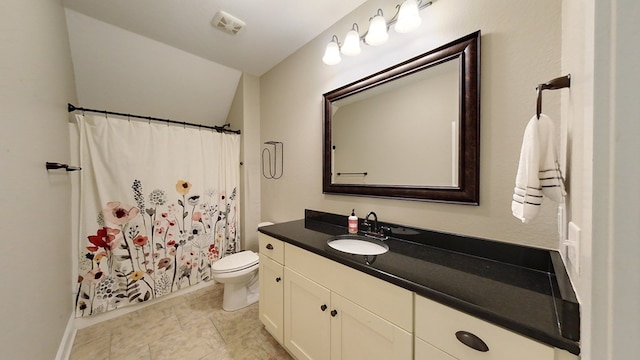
(273, 164)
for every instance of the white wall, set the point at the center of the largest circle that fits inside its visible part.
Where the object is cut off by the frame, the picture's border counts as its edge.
(616, 170)
(577, 146)
(520, 48)
(35, 259)
(600, 50)
(120, 71)
(245, 115)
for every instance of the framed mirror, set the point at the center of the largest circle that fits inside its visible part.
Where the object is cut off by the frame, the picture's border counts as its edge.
(411, 131)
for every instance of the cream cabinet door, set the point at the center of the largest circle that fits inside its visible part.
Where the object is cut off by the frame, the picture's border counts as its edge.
(359, 334)
(424, 351)
(271, 304)
(307, 323)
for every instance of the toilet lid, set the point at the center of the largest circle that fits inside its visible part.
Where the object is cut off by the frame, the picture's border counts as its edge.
(234, 262)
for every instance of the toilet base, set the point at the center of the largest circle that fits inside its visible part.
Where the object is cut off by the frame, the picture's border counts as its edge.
(239, 295)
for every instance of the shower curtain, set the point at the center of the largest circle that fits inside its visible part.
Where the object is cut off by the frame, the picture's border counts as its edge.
(159, 204)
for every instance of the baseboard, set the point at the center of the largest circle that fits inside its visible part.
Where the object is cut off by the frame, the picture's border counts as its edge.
(64, 350)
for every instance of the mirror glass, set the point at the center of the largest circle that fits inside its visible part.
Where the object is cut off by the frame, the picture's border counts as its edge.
(410, 131)
(415, 115)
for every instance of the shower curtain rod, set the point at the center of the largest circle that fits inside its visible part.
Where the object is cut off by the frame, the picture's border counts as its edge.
(223, 128)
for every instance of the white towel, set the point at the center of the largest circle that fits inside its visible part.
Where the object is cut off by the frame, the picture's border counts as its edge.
(538, 170)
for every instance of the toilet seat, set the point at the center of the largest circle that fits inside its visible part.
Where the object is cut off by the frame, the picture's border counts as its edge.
(235, 262)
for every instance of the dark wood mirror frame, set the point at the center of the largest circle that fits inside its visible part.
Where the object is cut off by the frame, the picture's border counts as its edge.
(467, 50)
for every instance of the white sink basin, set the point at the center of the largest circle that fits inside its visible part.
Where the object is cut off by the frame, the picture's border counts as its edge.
(358, 245)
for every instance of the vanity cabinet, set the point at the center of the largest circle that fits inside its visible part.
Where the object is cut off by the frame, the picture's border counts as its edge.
(320, 309)
(441, 333)
(320, 324)
(357, 333)
(334, 312)
(424, 350)
(271, 275)
(307, 321)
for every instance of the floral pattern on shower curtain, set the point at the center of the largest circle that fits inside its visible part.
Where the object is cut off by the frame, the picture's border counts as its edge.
(159, 204)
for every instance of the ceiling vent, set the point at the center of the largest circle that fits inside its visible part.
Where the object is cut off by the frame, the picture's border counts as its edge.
(228, 23)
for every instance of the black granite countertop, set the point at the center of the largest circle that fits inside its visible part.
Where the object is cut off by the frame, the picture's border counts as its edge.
(523, 289)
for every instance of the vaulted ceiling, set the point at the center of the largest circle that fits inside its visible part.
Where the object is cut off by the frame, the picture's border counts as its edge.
(274, 29)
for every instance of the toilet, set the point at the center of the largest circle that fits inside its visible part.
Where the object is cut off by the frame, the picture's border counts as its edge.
(239, 274)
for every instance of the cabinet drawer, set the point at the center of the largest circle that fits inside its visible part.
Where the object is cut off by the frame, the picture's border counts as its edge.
(438, 324)
(388, 301)
(271, 247)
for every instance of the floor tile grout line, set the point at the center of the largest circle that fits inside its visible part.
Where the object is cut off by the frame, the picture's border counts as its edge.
(212, 304)
(224, 341)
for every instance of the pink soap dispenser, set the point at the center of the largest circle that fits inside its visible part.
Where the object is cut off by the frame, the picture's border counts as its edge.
(353, 222)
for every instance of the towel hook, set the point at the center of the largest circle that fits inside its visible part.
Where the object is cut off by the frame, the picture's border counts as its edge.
(273, 171)
(555, 84)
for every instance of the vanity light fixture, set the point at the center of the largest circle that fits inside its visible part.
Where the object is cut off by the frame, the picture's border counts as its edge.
(332, 53)
(406, 19)
(377, 34)
(351, 46)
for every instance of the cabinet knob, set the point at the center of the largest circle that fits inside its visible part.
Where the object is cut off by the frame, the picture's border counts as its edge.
(334, 313)
(278, 279)
(472, 341)
(269, 247)
(323, 307)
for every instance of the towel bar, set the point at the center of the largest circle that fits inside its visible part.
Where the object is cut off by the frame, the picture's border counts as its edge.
(555, 84)
(54, 166)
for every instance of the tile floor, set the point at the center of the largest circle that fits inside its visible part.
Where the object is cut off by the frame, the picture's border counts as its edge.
(189, 327)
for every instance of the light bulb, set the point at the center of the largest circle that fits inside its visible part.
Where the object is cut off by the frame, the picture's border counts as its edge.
(332, 53)
(351, 46)
(408, 17)
(377, 34)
